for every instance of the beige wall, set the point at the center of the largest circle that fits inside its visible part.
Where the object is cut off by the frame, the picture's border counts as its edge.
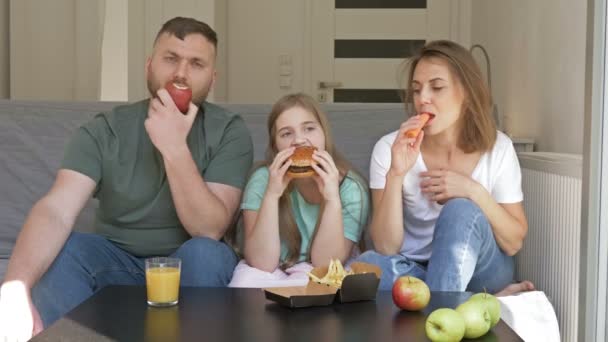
(114, 52)
(55, 49)
(221, 28)
(78, 50)
(4, 50)
(255, 42)
(537, 51)
(261, 32)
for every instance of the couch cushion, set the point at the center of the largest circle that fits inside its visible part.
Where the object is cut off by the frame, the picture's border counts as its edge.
(33, 135)
(32, 138)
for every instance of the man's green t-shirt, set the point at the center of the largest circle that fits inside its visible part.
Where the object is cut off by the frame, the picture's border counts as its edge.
(136, 209)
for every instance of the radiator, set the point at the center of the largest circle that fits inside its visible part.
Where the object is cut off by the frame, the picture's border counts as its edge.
(550, 255)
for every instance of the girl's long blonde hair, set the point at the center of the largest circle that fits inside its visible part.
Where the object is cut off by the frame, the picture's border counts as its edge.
(288, 229)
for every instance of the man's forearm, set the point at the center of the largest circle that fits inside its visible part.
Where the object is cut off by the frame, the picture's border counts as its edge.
(199, 210)
(42, 237)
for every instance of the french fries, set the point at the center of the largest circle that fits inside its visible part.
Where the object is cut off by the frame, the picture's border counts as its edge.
(334, 276)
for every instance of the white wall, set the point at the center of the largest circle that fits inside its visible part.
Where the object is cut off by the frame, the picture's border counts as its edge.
(260, 32)
(276, 28)
(537, 52)
(220, 25)
(114, 53)
(84, 50)
(4, 50)
(55, 49)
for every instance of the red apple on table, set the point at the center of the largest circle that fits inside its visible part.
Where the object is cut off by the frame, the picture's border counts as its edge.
(411, 293)
(181, 95)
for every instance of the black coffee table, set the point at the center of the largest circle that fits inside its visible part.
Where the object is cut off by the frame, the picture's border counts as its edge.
(120, 313)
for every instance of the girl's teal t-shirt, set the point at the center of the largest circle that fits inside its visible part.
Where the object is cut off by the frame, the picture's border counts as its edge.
(355, 208)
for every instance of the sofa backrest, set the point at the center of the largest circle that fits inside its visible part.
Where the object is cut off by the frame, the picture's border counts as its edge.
(33, 135)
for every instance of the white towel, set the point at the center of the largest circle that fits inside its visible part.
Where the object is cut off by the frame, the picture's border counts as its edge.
(531, 316)
(247, 276)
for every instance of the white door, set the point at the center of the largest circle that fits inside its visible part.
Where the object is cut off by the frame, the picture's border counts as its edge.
(358, 45)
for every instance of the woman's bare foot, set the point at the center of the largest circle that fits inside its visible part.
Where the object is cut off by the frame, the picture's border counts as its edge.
(514, 288)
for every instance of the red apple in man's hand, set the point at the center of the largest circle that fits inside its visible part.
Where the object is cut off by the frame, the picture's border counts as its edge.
(411, 293)
(181, 95)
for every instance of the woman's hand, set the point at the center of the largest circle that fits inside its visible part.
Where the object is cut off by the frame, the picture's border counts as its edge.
(278, 180)
(442, 185)
(327, 177)
(405, 151)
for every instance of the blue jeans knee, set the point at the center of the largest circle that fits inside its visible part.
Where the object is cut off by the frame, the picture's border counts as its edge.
(206, 262)
(393, 267)
(465, 253)
(85, 264)
(461, 213)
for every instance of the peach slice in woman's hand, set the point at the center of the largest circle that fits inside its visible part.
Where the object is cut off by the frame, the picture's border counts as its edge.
(413, 133)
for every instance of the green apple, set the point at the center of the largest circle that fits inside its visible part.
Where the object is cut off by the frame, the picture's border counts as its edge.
(492, 304)
(444, 325)
(476, 317)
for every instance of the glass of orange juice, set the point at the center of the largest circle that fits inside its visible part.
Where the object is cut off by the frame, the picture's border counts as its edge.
(162, 280)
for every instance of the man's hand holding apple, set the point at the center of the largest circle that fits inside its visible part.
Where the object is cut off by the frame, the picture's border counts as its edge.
(167, 128)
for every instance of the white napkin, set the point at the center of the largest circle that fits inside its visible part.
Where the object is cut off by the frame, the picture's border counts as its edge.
(531, 316)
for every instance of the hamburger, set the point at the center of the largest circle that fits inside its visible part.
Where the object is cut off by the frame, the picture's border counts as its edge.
(301, 161)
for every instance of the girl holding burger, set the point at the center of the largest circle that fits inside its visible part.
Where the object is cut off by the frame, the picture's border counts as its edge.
(447, 199)
(304, 205)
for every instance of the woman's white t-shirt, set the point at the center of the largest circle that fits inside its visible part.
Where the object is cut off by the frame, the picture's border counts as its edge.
(497, 170)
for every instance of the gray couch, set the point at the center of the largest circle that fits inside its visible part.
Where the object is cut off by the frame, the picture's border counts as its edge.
(33, 135)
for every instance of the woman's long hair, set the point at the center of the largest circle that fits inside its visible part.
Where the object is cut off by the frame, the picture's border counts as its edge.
(478, 129)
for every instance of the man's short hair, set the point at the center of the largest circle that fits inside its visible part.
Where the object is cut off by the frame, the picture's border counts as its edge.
(180, 27)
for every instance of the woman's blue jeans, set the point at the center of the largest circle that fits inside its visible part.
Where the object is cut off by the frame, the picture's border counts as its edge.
(465, 255)
(89, 262)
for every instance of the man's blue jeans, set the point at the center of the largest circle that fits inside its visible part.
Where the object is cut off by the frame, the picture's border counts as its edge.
(89, 262)
(465, 255)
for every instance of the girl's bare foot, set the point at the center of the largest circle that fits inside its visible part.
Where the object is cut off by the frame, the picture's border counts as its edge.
(514, 288)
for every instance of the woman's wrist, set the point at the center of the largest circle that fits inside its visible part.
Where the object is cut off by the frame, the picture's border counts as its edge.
(476, 192)
(392, 174)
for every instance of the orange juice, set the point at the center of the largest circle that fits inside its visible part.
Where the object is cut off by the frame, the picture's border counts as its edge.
(162, 285)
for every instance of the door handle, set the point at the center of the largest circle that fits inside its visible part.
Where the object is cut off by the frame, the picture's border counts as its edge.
(329, 84)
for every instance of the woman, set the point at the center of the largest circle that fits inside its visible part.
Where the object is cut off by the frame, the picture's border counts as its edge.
(292, 224)
(447, 202)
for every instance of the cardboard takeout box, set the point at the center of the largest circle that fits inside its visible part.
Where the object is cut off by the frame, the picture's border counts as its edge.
(362, 285)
